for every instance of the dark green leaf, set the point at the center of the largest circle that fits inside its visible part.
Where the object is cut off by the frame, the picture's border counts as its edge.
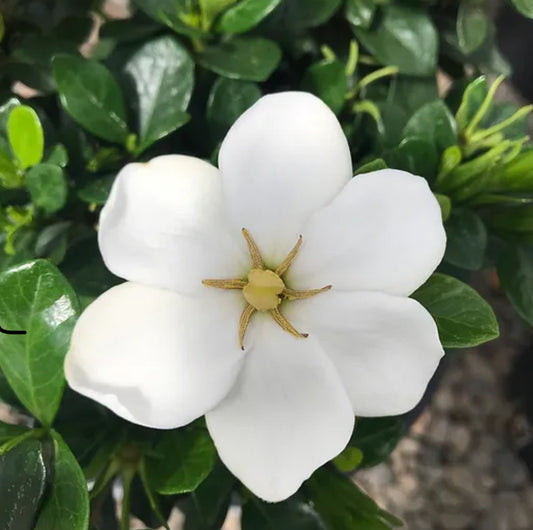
(163, 75)
(36, 298)
(412, 92)
(47, 186)
(515, 269)
(182, 460)
(405, 37)
(97, 191)
(416, 155)
(360, 12)
(433, 122)
(26, 136)
(466, 239)
(297, 15)
(22, 485)
(51, 242)
(463, 318)
(293, 514)
(90, 94)
(249, 59)
(228, 99)
(472, 26)
(66, 505)
(245, 15)
(524, 6)
(8, 431)
(327, 79)
(377, 438)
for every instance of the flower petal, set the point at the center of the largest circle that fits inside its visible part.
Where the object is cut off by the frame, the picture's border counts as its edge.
(383, 232)
(286, 416)
(283, 158)
(386, 348)
(164, 225)
(155, 357)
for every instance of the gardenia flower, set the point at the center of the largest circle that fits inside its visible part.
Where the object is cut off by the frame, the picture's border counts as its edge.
(270, 294)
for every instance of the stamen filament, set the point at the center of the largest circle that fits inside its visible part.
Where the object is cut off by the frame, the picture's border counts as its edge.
(225, 284)
(287, 262)
(246, 315)
(293, 294)
(285, 325)
(255, 253)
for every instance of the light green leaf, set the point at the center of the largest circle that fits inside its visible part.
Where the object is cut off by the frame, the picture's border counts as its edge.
(463, 318)
(10, 176)
(26, 136)
(47, 186)
(36, 298)
(228, 99)
(524, 6)
(182, 460)
(66, 506)
(246, 58)
(405, 37)
(90, 94)
(374, 165)
(245, 15)
(163, 74)
(23, 476)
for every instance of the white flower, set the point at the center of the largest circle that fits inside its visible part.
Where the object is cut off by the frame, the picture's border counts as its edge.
(163, 348)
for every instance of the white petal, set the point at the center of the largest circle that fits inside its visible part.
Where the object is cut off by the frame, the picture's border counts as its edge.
(383, 232)
(286, 416)
(155, 357)
(283, 158)
(386, 348)
(164, 225)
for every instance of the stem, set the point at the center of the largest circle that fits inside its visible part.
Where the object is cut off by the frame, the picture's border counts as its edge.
(127, 478)
(484, 107)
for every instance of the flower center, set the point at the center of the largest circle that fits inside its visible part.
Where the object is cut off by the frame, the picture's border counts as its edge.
(265, 289)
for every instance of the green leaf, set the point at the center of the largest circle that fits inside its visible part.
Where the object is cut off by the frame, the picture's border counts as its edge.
(97, 191)
(472, 26)
(296, 15)
(515, 269)
(327, 79)
(434, 122)
(51, 243)
(245, 15)
(23, 477)
(47, 186)
(341, 504)
(92, 97)
(182, 460)
(36, 298)
(26, 136)
(349, 459)
(360, 12)
(246, 58)
(473, 97)
(8, 431)
(463, 318)
(405, 37)
(66, 505)
(466, 239)
(445, 204)
(416, 155)
(163, 74)
(377, 438)
(58, 156)
(228, 99)
(293, 514)
(207, 506)
(516, 175)
(524, 6)
(10, 177)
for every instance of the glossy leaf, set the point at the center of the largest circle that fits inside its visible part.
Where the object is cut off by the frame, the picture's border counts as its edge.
(464, 319)
(293, 514)
(327, 80)
(295, 15)
(181, 462)
(377, 438)
(26, 136)
(23, 477)
(417, 155)
(405, 37)
(245, 15)
(47, 186)
(246, 58)
(360, 12)
(36, 298)
(515, 269)
(66, 505)
(92, 97)
(228, 99)
(163, 75)
(466, 239)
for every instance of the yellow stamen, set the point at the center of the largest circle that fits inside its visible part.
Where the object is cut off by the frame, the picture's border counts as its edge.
(293, 294)
(287, 262)
(255, 254)
(225, 284)
(263, 289)
(286, 325)
(243, 323)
